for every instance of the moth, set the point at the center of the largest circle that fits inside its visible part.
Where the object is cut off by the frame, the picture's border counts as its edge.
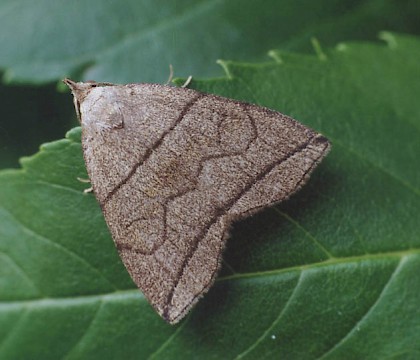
(172, 168)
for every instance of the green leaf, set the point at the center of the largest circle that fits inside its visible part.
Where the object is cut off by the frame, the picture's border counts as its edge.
(332, 273)
(137, 40)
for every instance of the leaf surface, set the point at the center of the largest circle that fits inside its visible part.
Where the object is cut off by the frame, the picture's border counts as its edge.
(135, 41)
(332, 273)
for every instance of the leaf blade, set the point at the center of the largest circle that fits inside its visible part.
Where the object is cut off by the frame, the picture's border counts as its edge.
(342, 252)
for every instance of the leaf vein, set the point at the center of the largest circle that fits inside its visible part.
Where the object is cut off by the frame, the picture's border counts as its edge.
(275, 322)
(71, 253)
(88, 329)
(143, 33)
(14, 330)
(21, 271)
(4, 305)
(370, 310)
(306, 232)
(169, 339)
(385, 171)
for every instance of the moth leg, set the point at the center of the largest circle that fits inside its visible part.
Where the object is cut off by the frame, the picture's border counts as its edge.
(187, 82)
(89, 189)
(171, 74)
(86, 181)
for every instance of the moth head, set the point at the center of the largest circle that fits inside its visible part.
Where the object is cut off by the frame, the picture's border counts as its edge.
(80, 90)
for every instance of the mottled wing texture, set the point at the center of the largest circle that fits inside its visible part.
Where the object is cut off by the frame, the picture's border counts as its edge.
(172, 168)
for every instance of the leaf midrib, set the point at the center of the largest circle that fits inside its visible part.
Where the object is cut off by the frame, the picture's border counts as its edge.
(135, 293)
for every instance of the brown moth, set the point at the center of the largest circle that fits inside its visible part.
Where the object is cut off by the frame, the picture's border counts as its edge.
(173, 167)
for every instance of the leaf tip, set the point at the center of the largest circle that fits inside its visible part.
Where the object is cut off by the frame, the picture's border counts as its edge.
(318, 49)
(74, 134)
(341, 47)
(275, 55)
(225, 65)
(389, 38)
